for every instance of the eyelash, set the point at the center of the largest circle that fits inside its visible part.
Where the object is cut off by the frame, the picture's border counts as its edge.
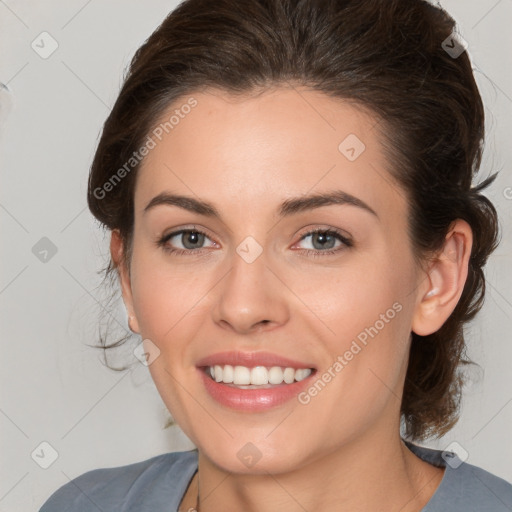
(315, 253)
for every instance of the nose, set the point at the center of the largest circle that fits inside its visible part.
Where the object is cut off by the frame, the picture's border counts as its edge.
(251, 298)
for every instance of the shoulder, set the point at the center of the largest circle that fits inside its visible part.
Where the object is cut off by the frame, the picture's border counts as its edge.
(142, 486)
(475, 489)
(465, 487)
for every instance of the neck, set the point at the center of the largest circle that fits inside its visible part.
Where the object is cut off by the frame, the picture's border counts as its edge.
(366, 474)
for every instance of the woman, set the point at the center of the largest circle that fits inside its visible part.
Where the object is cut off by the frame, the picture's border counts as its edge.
(288, 186)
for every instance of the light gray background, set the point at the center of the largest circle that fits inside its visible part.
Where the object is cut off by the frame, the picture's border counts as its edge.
(54, 387)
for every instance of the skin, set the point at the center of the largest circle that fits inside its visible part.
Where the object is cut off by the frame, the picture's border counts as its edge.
(246, 155)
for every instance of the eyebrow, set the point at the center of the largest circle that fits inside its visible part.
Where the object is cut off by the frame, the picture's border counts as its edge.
(288, 207)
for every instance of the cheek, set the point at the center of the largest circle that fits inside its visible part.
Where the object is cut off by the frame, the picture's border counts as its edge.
(165, 296)
(354, 296)
(368, 309)
(169, 312)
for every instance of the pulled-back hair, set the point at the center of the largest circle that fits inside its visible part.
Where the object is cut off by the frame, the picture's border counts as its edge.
(388, 57)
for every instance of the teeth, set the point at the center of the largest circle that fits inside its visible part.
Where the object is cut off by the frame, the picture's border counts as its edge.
(302, 374)
(289, 375)
(257, 376)
(275, 375)
(228, 374)
(241, 375)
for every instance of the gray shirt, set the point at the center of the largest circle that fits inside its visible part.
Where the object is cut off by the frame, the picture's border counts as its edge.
(158, 484)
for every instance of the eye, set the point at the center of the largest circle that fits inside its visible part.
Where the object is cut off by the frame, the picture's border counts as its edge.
(191, 241)
(184, 241)
(323, 242)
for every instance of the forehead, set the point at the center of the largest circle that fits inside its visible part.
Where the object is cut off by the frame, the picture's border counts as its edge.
(261, 148)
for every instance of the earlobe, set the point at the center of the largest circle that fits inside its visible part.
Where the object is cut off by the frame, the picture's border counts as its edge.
(444, 281)
(117, 255)
(131, 319)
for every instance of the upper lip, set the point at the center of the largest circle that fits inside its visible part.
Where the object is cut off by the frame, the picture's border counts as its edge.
(251, 359)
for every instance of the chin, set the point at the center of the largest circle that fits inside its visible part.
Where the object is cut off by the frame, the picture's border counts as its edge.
(245, 454)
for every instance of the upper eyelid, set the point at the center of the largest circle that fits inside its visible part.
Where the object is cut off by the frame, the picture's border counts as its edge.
(186, 229)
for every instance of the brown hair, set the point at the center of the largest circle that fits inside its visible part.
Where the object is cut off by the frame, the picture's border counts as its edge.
(385, 56)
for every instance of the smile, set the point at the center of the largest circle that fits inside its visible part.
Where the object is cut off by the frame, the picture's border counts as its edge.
(253, 381)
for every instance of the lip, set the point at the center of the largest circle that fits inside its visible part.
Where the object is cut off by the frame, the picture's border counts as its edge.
(252, 400)
(251, 359)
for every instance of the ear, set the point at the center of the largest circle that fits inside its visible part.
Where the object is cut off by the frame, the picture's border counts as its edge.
(117, 253)
(441, 290)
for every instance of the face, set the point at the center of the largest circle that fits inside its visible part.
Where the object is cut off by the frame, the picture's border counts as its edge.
(318, 293)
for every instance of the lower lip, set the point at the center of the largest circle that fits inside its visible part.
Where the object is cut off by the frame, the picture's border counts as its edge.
(255, 399)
